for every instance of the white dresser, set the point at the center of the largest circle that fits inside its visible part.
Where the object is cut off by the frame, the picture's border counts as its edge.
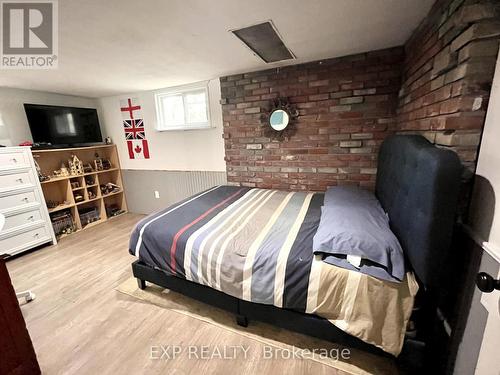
(27, 221)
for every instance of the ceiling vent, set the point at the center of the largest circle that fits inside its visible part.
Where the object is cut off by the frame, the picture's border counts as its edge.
(263, 39)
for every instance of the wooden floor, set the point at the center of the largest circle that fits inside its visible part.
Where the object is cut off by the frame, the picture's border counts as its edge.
(80, 324)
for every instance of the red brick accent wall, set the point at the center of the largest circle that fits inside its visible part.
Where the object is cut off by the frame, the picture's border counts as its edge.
(448, 70)
(347, 107)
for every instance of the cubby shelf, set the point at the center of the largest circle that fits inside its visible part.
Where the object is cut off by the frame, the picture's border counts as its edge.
(60, 208)
(90, 225)
(114, 217)
(99, 172)
(88, 201)
(56, 179)
(111, 194)
(62, 178)
(59, 189)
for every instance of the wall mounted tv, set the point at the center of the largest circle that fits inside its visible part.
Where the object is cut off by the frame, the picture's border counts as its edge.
(54, 126)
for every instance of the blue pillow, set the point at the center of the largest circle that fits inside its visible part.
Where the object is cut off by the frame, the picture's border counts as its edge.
(354, 226)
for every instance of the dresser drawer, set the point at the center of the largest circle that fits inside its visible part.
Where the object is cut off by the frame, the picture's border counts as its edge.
(22, 219)
(18, 199)
(16, 179)
(14, 158)
(19, 241)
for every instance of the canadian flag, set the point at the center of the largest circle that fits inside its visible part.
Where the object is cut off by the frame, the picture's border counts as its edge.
(138, 149)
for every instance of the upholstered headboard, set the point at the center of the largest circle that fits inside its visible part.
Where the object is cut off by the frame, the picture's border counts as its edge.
(418, 185)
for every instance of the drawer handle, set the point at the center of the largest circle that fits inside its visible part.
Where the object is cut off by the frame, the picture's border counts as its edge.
(20, 180)
(36, 235)
(25, 199)
(31, 218)
(14, 160)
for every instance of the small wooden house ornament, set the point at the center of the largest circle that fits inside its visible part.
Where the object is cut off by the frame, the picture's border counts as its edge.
(75, 166)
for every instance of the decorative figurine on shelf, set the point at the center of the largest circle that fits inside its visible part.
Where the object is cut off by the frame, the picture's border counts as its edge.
(101, 164)
(109, 188)
(79, 198)
(68, 229)
(87, 168)
(41, 176)
(63, 172)
(75, 166)
(107, 140)
(97, 162)
(98, 165)
(89, 180)
(106, 164)
(91, 194)
(75, 185)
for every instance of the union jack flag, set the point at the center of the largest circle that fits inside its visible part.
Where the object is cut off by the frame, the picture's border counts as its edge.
(134, 129)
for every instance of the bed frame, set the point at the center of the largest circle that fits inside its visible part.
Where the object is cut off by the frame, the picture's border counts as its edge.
(418, 186)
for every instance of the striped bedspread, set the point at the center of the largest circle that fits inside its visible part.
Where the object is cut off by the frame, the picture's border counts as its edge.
(256, 245)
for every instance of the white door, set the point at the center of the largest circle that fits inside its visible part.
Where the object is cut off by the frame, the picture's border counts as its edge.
(488, 361)
(479, 351)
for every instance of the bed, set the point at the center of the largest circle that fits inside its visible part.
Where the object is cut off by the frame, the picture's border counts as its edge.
(248, 250)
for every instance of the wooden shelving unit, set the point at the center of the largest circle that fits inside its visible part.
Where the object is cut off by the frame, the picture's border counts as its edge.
(87, 195)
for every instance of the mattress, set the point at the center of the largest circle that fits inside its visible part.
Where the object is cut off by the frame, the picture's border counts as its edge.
(256, 245)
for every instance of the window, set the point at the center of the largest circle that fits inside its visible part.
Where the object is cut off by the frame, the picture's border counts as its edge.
(183, 108)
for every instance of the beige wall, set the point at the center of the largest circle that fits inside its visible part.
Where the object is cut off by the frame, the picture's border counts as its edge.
(13, 123)
(193, 150)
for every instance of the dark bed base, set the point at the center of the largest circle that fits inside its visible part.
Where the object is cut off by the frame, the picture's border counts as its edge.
(308, 324)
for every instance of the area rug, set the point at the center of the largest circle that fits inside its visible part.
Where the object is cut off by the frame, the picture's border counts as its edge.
(359, 362)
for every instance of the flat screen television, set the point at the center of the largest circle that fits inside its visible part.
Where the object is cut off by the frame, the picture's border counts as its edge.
(54, 126)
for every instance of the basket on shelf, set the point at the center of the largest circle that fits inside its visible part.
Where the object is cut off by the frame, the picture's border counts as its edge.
(113, 210)
(89, 215)
(63, 223)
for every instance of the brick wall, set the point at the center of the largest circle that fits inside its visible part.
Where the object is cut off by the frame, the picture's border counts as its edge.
(347, 107)
(448, 70)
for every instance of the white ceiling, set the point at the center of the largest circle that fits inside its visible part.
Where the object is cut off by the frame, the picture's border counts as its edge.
(110, 47)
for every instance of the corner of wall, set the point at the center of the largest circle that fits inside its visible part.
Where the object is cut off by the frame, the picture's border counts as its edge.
(449, 67)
